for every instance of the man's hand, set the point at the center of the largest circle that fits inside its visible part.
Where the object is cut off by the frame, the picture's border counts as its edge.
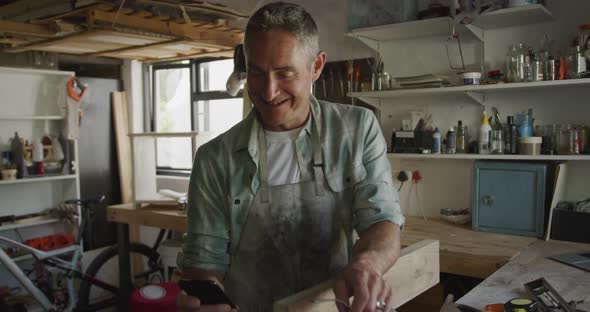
(366, 285)
(186, 303)
(374, 253)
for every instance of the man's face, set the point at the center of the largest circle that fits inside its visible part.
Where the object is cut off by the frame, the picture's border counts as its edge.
(279, 78)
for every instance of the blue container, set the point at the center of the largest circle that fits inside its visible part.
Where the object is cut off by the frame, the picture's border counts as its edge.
(524, 124)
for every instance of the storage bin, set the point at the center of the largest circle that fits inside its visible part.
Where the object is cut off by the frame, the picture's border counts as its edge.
(530, 145)
(570, 226)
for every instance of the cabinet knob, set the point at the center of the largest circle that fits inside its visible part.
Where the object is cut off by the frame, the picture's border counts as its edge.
(488, 200)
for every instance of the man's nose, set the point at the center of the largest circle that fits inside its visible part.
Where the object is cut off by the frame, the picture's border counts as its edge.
(271, 89)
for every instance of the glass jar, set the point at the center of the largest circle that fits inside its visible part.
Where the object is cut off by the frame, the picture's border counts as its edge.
(497, 142)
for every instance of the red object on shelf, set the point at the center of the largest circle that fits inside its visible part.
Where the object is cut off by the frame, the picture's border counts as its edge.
(51, 242)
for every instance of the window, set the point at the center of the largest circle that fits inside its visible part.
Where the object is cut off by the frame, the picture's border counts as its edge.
(190, 96)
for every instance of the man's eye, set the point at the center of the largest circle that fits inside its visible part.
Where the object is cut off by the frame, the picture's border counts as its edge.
(285, 75)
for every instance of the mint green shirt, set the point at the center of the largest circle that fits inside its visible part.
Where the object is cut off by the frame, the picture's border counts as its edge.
(225, 179)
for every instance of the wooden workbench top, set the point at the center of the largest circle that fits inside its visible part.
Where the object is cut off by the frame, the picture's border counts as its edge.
(462, 250)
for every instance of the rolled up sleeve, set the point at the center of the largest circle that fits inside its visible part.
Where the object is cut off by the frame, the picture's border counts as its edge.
(375, 198)
(205, 243)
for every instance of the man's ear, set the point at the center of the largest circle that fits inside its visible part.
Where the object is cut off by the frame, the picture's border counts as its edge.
(318, 65)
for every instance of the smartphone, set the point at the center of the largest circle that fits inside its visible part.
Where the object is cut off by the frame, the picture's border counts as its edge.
(207, 291)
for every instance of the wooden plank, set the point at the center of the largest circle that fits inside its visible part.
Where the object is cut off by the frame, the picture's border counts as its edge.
(214, 39)
(136, 47)
(223, 53)
(463, 250)
(416, 270)
(26, 29)
(163, 217)
(121, 118)
(207, 8)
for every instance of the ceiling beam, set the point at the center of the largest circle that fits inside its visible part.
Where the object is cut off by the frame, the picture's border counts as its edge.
(26, 29)
(223, 53)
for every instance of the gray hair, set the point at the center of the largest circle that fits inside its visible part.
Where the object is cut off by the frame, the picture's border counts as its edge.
(287, 17)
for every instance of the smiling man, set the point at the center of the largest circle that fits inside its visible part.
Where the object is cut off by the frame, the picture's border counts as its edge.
(274, 201)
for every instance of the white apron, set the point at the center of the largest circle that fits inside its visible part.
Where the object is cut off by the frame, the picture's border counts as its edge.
(295, 236)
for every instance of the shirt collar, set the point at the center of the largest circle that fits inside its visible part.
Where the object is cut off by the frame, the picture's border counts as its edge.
(249, 139)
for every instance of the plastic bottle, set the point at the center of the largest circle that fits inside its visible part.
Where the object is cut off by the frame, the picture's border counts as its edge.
(485, 132)
(436, 141)
(461, 146)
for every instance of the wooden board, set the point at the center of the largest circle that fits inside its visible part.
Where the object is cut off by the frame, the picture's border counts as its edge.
(121, 118)
(416, 270)
(532, 263)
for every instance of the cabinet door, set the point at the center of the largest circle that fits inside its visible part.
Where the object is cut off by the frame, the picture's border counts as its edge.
(509, 198)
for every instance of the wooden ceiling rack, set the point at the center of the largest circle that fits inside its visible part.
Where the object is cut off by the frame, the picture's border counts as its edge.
(104, 29)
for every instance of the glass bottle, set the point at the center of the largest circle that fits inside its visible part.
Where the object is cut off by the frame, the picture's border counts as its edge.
(511, 137)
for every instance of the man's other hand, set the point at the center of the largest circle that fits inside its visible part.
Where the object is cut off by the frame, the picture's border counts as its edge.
(366, 285)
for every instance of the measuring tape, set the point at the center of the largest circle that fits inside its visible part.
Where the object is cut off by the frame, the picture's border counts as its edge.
(520, 305)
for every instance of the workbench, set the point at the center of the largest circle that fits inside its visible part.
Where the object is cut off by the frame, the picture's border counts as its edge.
(530, 264)
(462, 250)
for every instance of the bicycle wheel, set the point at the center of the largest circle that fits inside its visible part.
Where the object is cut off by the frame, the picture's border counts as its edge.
(105, 267)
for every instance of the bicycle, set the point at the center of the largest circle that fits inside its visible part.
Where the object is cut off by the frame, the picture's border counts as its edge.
(94, 292)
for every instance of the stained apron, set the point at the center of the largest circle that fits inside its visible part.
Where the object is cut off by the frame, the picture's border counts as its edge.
(295, 236)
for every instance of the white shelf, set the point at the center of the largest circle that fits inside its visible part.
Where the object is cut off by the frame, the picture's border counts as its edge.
(517, 16)
(36, 71)
(408, 30)
(487, 157)
(501, 87)
(27, 224)
(33, 117)
(39, 179)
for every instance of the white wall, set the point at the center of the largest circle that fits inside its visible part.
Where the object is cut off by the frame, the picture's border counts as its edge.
(447, 183)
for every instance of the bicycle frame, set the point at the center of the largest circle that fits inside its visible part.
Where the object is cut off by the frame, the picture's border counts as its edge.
(51, 258)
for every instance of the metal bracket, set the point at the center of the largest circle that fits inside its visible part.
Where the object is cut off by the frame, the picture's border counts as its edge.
(478, 32)
(477, 96)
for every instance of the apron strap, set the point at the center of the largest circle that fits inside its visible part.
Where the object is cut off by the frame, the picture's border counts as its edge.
(263, 166)
(318, 170)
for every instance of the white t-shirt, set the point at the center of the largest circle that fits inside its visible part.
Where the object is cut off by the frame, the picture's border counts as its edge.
(283, 167)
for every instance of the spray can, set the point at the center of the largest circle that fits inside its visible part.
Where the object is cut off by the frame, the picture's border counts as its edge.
(436, 141)
(451, 141)
(461, 145)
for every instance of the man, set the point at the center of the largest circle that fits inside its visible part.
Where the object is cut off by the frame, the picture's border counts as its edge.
(273, 201)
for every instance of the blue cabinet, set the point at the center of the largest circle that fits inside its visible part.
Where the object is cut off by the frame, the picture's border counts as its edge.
(509, 197)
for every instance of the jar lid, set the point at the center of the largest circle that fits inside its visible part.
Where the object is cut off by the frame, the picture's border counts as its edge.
(530, 140)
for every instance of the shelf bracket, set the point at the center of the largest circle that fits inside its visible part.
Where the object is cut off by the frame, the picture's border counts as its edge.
(476, 31)
(477, 96)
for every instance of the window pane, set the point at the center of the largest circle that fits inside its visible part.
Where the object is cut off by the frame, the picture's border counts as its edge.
(213, 75)
(223, 114)
(172, 96)
(174, 153)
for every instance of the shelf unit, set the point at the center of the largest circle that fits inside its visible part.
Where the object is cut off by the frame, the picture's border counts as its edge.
(488, 157)
(33, 105)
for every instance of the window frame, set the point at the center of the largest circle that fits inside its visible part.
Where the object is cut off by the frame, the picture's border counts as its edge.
(196, 94)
